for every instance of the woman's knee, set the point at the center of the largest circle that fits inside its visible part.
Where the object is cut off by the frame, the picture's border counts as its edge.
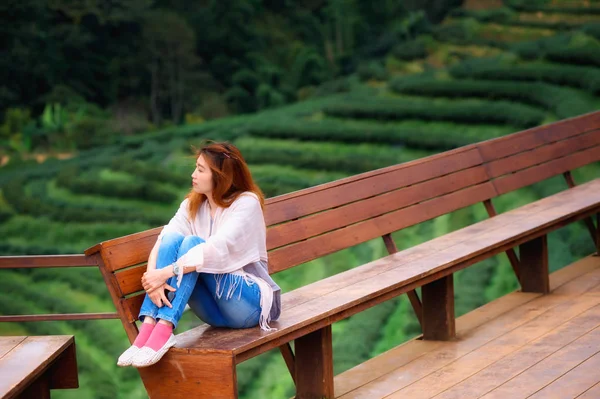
(172, 237)
(188, 243)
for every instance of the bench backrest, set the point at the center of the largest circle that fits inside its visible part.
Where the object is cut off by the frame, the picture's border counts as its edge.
(310, 223)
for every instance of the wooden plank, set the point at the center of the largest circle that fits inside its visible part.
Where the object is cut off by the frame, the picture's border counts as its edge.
(532, 138)
(124, 240)
(39, 261)
(130, 280)
(490, 365)
(542, 309)
(538, 173)
(592, 393)
(574, 383)
(438, 309)
(534, 266)
(8, 343)
(542, 154)
(346, 215)
(343, 191)
(57, 317)
(549, 369)
(396, 357)
(314, 365)
(304, 251)
(182, 376)
(395, 273)
(131, 307)
(29, 359)
(128, 253)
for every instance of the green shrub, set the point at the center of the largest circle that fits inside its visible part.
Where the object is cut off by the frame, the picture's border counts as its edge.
(539, 48)
(412, 50)
(93, 184)
(335, 157)
(501, 14)
(468, 111)
(564, 102)
(567, 75)
(586, 55)
(592, 29)
(362, 132)
(372, 71)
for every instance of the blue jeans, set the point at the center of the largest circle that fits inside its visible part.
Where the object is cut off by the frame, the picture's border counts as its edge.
(221, 300)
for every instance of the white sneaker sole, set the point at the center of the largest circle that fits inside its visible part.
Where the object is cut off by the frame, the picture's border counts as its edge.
(127, 357)
(147, 356)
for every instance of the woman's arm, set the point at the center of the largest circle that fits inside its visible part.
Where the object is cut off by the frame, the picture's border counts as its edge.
(152, 256)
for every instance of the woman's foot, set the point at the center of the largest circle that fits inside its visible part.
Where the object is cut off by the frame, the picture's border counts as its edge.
(126, 358)
(158, 344)
(147, 356)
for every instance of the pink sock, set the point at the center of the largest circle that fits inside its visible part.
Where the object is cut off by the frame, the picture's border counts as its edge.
(160, 335)
(145, 331)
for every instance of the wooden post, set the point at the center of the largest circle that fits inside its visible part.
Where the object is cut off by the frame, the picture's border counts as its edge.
(290, 360)
(181, 375)
(438, 309)
(314, 365)
(512, 256)
(534, 266)
(589, 222)
(412, 294)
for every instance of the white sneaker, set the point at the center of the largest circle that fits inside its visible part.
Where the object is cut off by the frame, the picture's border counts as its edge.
(147, 356)
(127, 356)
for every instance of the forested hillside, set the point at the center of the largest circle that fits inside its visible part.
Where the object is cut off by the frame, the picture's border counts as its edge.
(479, 74)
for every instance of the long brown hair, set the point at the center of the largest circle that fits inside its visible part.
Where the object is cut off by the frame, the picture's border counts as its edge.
(230, 176)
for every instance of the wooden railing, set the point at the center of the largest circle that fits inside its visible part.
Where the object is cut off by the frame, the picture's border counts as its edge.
(45, 261)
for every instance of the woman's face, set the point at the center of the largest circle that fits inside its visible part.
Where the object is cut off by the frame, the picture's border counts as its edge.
(202, 177)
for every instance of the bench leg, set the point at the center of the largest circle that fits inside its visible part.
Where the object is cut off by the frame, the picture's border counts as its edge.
(314, 365)
(438, 309)
(534, 266)
(183, 376)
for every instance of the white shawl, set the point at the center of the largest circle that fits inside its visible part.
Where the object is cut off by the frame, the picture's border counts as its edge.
(238, 235)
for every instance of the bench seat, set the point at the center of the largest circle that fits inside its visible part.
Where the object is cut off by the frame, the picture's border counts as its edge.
(502, 328)
(349, 292)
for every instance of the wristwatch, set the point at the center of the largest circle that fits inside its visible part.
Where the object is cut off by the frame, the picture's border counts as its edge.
(176, 269)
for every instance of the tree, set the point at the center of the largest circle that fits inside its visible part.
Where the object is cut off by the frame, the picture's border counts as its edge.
(169, 46)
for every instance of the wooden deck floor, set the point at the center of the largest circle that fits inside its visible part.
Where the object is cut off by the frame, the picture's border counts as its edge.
(520, 346)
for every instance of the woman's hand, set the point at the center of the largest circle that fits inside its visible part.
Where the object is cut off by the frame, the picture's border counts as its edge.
(158, 296)
(154, 279)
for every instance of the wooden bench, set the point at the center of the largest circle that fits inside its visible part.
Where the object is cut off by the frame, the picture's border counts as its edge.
(317, 221)
(31, 366)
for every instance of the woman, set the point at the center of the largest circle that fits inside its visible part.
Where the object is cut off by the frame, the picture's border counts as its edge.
(212, 256)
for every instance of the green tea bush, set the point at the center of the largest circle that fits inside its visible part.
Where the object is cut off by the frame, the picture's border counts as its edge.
(323, 156)
(586, 55)
(332, 129)
(566, 75)
(564, 102)
(592, 29)
(412, 50)
(93, 184)
(280, 179)
(372, 71)
(501, 14)
(539, 48)
(468, 111)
